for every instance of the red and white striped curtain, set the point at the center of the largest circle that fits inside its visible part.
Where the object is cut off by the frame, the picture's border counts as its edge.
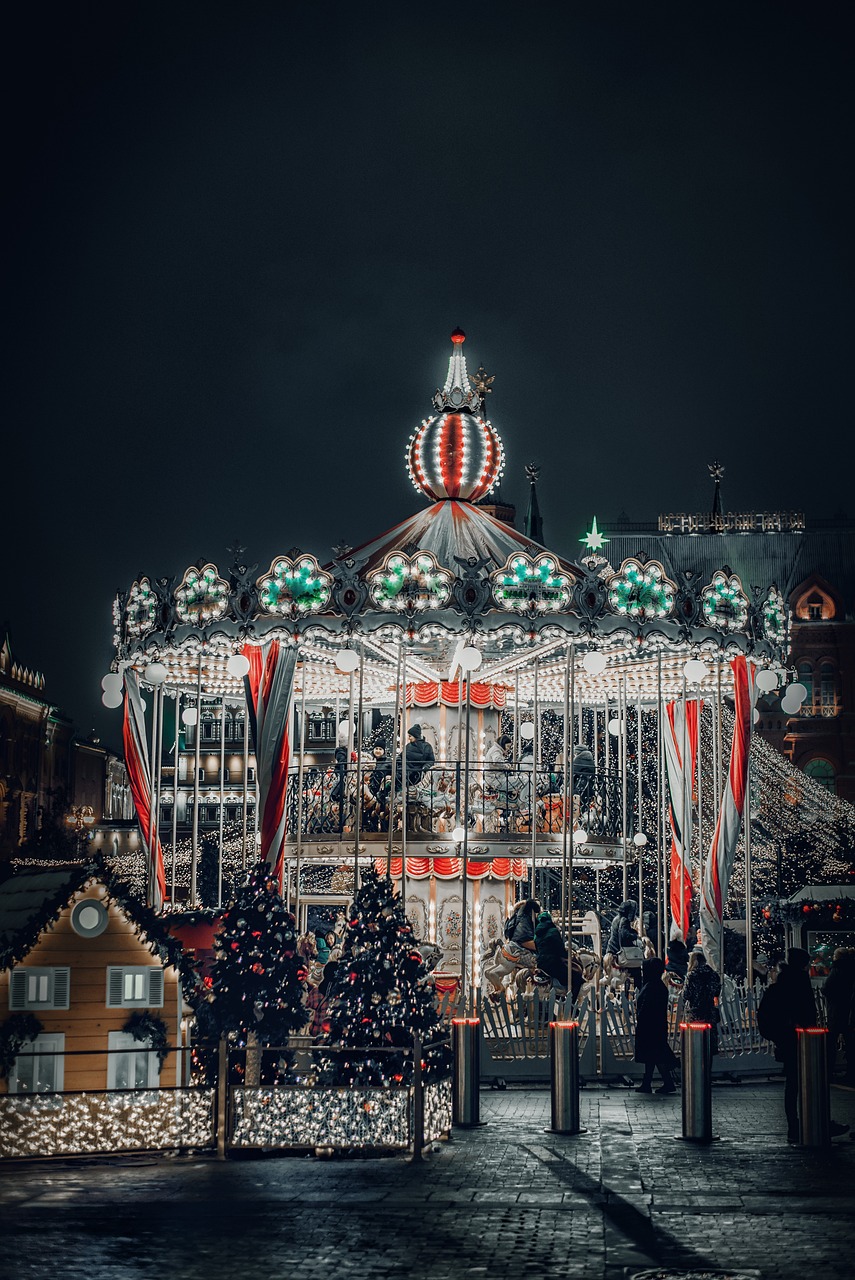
(449, 868)
(719, 863)
(269, 686)
(681, 754)
(139, 776)
(448, 693)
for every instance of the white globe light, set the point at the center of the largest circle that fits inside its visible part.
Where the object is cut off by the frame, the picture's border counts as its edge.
(595, 663)
(527, 730)
(111, 681)
(189, 715)
(695, 670)
(767, 681)
(797, 692)
(457, 835)
(238, 665)
(143, 704)
(756, 716)
(470, 658)
(347, 659)
(639, 839)
(790, 706)
(155, 674)
(112, 698)
(580, 836)
(614, 728)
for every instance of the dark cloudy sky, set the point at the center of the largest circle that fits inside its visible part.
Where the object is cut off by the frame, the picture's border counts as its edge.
(238, 236)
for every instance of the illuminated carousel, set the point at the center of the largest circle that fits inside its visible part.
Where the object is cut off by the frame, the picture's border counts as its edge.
(455, 622)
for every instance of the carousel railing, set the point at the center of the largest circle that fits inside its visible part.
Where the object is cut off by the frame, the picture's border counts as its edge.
(501, 802)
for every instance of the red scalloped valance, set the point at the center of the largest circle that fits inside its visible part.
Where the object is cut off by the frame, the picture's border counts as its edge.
(449, 868)
(450, 694)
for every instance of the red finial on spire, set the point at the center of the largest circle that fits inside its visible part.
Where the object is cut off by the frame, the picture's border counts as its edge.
(458, 337)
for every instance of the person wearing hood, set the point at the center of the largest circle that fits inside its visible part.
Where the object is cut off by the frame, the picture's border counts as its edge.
(622, 934)
(419, 756)
(701, 991)
(552, 955)
(651, 1029)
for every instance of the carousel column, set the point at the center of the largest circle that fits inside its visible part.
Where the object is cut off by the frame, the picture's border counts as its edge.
(358, 814)
(565, 820)
(197, 764)
(154, 825)
(175, 759)
(222, 799)
(624, 730)
(535, 747)
(391, 814)
(639, 822)
(749, 899)
(404, 781)
(569, 790)
(300, 768)
(245, 805)
(465, 846)
(661, 821)
(686, 804)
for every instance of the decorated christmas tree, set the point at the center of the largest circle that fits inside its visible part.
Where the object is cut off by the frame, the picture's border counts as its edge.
(379, 998)
(257, 981)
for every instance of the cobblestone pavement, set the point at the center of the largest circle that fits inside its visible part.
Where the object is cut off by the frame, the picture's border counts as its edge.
(505, 1200)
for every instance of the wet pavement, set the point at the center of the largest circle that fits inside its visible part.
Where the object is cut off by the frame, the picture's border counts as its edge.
(505, 1200)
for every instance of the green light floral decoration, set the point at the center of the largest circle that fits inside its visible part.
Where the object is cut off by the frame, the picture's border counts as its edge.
(203, 596)
(408, 584)
(140, 609)
(529, 585)
(724, 603)
(641, 591)
(774, 616)
(294, 587)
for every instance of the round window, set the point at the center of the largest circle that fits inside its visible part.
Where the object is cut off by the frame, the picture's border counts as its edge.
(89, 918)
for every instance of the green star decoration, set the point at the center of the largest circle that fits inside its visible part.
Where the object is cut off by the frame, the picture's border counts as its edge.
(593, 539)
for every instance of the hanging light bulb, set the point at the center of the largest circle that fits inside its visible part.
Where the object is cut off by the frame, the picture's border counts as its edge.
(595, 663)
(695, 670)
(615, 728)
(527, 730)
(639, 839)
(112, 698)
(470, 658)
(347, 659)
(238, 665)
(111, 681)
(767, 680)
(189, 716)
(580, 836)
(155, 674)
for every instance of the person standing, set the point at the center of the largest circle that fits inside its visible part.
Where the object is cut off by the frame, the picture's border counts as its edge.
(788, 1003)
(701, 991)
(419, 756)
(651, 1029)
(839, 992)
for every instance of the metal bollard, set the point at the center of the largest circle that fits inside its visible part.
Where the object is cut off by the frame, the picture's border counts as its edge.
(564, 1066)
(814, 1101)
(696, 1048)
(466, 1098)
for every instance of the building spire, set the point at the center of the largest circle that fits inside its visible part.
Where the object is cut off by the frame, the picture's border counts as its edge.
(457, 395)
(533, 527)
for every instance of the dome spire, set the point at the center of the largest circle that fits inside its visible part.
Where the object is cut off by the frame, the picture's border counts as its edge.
(457, 394)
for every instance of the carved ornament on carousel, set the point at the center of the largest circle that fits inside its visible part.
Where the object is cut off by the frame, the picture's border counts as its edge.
(531, 585)
(294, 588)
(410, 584)
(203, 595)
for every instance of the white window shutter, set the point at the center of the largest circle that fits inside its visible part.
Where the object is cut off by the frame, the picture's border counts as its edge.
(61, 988)
(18, 989)
(115, 976)
(155, 988)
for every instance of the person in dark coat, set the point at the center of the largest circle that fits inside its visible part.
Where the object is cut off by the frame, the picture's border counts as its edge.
(583, 771)
(839, 992)
(701, 991)
(419, 755)
(796, 1008)
(622, 934)
(651, 1029)
(677, 958)
(552, 955)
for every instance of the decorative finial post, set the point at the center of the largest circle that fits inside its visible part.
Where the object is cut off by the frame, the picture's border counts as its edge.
(716, 470)
(533, 520)
(482, 381)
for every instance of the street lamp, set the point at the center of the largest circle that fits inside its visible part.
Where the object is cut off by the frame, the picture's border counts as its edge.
(81, 817)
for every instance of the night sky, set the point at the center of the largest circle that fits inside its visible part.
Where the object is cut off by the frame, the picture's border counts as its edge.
(238, 237)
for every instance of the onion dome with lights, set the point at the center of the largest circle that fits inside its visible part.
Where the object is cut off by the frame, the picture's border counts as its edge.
(456, 453)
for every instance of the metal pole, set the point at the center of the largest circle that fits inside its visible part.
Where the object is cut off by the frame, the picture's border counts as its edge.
(570, 794)
(245, 785)
(697, 1081)
(564, 1077)
(194, 855)
(661, 830)
(175, 757)
(699, 775)
(565, 821)
(685, 809)
(162, 695)
(465, 867)
(418, 1101)
(624, 731)
(516, 716)
(358, 815)
(300, 768)
(814, 1108)
(639, 812)
(152, 801)
(222, 799)
(404, 779)
(535, 742)
(719, 785)
(391, 815)
(466, 1101)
